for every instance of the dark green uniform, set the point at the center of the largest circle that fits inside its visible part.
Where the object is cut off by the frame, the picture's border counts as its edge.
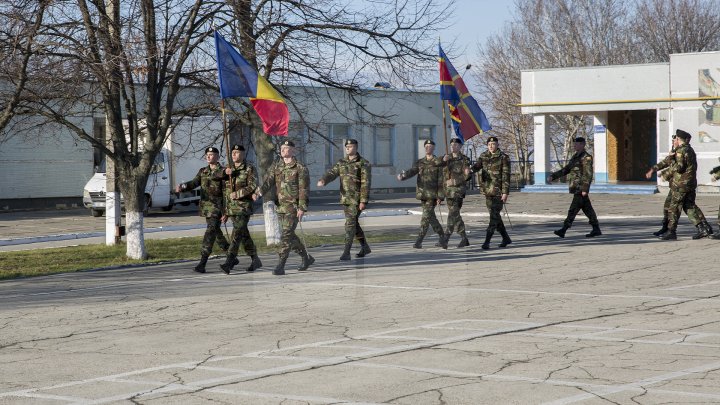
(238, 188)
(455, 182)
(292, 186)
(355, 177)
(211, 205)
(579, 172)
(494, 181)
(683, 190)
(429, 190)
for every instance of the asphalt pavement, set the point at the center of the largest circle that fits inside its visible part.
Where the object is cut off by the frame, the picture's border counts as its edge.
(621, 318)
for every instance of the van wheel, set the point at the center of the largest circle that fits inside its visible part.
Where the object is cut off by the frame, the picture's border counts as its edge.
(168, 208)
(96, 213)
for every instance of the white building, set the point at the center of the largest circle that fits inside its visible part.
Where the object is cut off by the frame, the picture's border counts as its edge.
(48, 166)
(636, 108)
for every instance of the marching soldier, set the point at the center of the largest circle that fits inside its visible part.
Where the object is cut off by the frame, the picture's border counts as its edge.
(240, 181)
(715, 172)
(429, 191)
(354, 173)
(666, 166)
(456, 175)
(494, 181)
(684, 186)
(579, 172)
(292, 185)
(211, 204)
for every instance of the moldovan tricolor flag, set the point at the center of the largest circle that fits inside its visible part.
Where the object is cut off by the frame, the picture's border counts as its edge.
(468, 119)
(239, 79)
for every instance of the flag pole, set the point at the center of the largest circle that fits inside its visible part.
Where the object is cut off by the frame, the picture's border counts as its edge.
(226, 137)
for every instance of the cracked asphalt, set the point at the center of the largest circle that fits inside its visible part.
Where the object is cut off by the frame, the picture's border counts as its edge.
(622, 318)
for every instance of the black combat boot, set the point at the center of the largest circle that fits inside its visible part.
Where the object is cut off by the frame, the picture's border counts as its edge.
(280, 268)
(254, 264)
(463, 240)
(595, 231)
(488, 236)
(443, 240)
(561, 232)
(703, 230)
(230, 262)
(669, 235)
(364, 248)
(663, 229)
(200, 268)
(307, 260)
(505, 237)
(418, 241)
(346, 253)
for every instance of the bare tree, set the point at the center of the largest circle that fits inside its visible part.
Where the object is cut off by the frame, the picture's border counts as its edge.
(663, 27)
(126, 60)
(339, 44)
(20, 22)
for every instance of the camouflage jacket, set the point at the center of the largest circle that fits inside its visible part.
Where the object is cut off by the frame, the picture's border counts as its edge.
(292, 185)
(454, 177)
(666, 167)
(243, 184)
(211, 190)
(684, 177)
(494, 173)
(355, 179)
(579, 172)
(715, 172)
(429, 178)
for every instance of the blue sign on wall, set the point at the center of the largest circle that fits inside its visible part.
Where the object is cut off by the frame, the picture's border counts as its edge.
(599, 128)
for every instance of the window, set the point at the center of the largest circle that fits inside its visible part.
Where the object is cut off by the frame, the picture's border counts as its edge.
(383, 145)
(337, 133)
(421, 134)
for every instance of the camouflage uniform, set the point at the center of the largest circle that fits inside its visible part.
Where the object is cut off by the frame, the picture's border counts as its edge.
(665, 168)
(579, 172)
(455, 182)
(238, 189)
(211, 205)
(715, 172)
(429, 189)
(682, 189)
(494, 181)
(292, 186)
(355, 177)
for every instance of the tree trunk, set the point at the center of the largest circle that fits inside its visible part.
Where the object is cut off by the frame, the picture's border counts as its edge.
(265, 154)
(135, 235)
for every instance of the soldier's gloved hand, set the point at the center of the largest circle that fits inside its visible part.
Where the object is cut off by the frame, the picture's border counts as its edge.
(300, 214)
(446, 158)
(361, 207)
(649, 174)
(255, 197)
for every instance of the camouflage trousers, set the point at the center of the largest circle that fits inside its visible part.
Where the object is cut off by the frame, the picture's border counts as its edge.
(455, 222)
(213, 233)
(241, 234)
(581, 203)
(429, 219)
(494, 205)
(288, 238)
(683, 201)
(352, 224)
(666, 207)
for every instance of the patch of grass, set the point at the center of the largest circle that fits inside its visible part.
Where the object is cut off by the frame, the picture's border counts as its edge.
(76, 258)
